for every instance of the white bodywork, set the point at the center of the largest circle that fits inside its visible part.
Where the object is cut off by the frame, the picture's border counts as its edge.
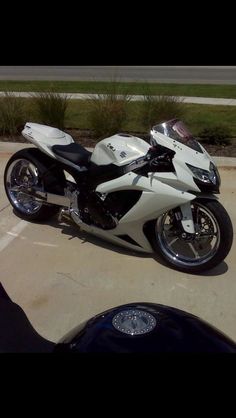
(119, 149)
(161, 191)
(44, 137)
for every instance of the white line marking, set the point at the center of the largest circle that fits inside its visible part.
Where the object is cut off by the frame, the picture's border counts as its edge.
(44, 244)
(181, 285)
(12, 234)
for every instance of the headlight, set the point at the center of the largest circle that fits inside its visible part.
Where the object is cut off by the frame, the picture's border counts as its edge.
(214, 169)
(209, 177)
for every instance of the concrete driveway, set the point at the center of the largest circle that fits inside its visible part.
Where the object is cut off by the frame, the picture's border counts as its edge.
(61, 276)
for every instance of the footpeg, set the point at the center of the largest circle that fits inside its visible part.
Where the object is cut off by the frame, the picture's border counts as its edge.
(76, 218)
(64, 213)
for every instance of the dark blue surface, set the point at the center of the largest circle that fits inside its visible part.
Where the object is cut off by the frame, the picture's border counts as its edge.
(176, 331)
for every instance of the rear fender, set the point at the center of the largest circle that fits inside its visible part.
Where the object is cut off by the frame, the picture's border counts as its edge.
(49, 169)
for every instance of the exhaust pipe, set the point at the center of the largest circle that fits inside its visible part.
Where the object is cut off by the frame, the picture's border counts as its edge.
(53, 199)
(58, 200)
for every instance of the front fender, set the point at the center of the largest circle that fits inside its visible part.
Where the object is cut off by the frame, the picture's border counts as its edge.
(206, 196)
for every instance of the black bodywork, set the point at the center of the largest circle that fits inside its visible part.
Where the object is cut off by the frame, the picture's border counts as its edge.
(208, 187)
(176, 331)
(160, 160)
(74, 152)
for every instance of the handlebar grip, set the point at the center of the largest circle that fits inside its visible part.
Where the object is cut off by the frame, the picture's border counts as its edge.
(153, 153)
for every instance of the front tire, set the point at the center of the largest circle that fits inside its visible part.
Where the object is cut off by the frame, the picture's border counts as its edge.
(201, 252)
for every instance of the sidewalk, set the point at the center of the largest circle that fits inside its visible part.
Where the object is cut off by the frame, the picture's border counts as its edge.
(136, 98)
(9, 148)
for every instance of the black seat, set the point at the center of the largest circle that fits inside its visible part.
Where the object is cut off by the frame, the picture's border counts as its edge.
(74, 153)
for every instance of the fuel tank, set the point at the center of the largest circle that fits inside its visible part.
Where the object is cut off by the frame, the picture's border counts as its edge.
(119, 149)
(145, 328)
(132, 328)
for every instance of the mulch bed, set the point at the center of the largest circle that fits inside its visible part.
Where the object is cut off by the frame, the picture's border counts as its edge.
(86, 139)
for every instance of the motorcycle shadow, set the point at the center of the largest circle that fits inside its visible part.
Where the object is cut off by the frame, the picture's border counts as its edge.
(222, 268)
(73, 231)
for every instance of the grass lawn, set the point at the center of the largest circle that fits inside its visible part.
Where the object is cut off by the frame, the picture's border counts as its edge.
(198, 90)
(197, 116)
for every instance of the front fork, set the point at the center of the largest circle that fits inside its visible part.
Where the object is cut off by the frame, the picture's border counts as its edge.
(186, 218)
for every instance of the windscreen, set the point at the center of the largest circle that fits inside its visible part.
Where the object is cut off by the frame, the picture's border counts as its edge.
(176, 129)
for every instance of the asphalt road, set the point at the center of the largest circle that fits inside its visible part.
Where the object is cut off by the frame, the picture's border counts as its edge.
(163, 74)
(61, 276)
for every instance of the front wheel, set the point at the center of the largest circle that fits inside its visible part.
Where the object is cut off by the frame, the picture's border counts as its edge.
(197, 252)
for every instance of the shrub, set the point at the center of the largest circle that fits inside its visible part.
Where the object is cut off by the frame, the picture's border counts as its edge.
(107, 112)
(157, 109)
(51, 108)
(216, 135)
(11, 114)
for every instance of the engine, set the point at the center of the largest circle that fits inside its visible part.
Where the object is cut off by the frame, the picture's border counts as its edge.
(106, 211)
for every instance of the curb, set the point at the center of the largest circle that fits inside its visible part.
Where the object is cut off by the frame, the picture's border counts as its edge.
(133, 98)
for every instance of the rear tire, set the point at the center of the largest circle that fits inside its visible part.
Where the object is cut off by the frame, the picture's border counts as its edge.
(30, 165)
(204, 257)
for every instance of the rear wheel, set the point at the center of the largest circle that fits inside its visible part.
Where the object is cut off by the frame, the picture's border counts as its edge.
(24, 171)
(200, 251)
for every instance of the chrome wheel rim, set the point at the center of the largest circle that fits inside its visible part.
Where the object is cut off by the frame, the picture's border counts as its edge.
(22, 174)
(196, 251)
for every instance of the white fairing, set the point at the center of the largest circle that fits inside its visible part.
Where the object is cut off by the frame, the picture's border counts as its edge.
(183, 177)
(44, 137)
(184, 153)
(156, 198)
(119, 149)
(162, 191)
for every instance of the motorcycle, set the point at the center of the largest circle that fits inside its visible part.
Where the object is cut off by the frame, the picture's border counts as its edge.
(130, 328)
(157, 197)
